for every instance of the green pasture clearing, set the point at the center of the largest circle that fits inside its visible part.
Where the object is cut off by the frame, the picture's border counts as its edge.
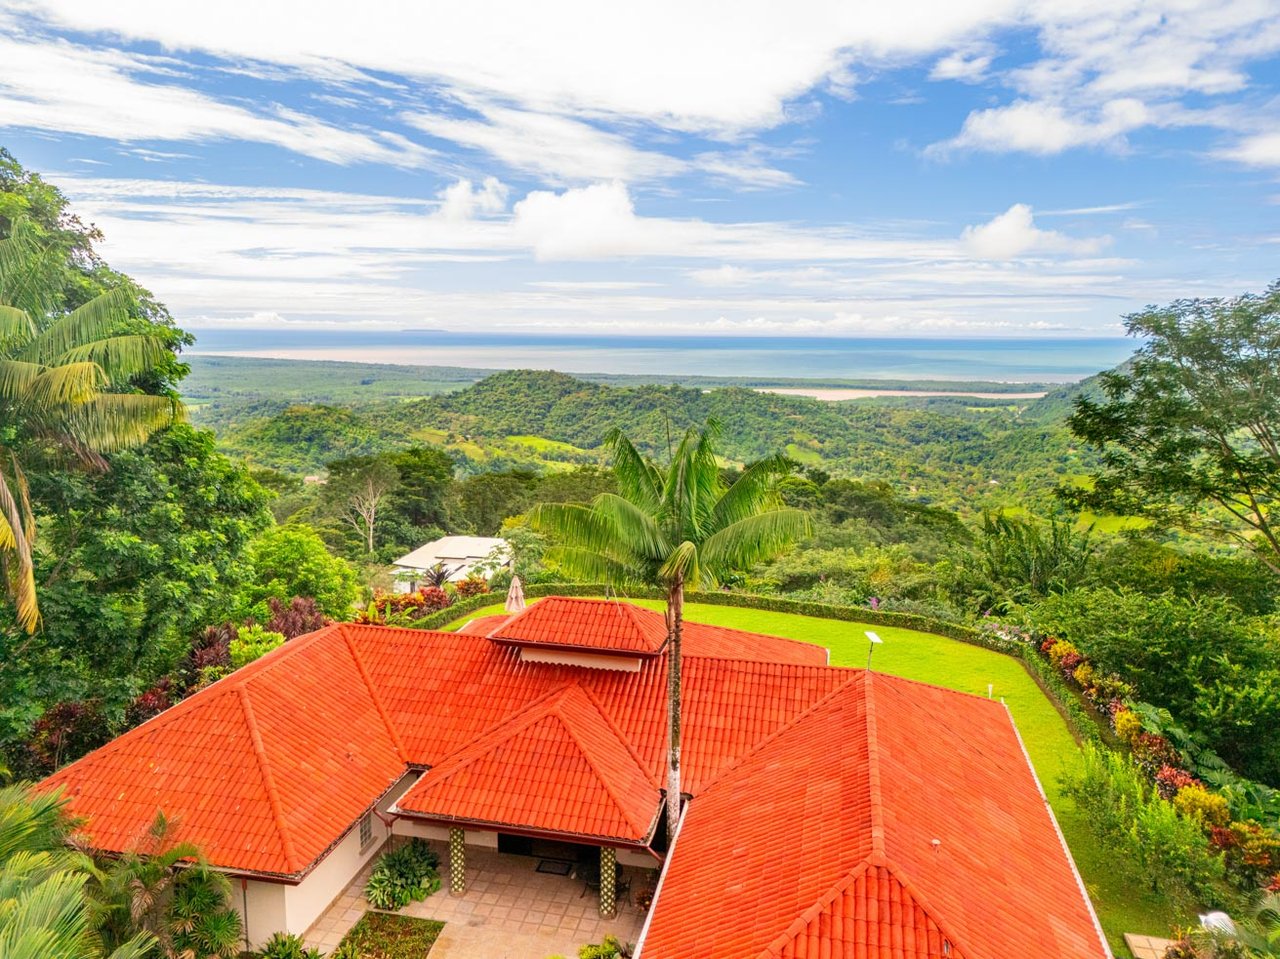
(1121, 905)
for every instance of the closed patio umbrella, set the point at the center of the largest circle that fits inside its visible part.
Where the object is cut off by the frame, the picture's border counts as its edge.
(515, 596)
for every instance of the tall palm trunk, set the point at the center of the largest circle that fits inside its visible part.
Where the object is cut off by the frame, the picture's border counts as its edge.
(675, 622)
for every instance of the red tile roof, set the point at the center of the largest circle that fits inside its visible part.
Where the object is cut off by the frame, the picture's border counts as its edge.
(269, 767)
(699, 639)
(575, 775)
(818, 791)
(777, 859)
(594, 625)
(264, 769)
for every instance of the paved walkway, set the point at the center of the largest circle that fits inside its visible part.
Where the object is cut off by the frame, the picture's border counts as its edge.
(509, 911)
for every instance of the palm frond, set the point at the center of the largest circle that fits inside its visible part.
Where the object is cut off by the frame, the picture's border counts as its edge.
(114, 421)
(590, 566)
(574, 524)
(683, 564)
(85, 324)
(19, 569)
(754, 539)
(630, 524)
(120, 357)
(16, 326)
(637, 478)
(693, 483)
(753, 492)
(16, 376)
(71, 383)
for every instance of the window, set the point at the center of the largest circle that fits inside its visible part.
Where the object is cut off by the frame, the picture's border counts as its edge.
(366, 830)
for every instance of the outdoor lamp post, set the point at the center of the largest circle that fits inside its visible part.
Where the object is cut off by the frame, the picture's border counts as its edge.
(875, 641)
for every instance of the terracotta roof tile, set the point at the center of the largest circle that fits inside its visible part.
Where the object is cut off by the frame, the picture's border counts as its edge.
(597, 625)
(575, 775)
(804, 852)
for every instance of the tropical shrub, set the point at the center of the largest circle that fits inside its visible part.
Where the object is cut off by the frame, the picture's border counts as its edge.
(284, 945)
(404, 609)
(407, 874)
(65, 732)
(252, 642)
(1128, 725)
(1167, 850)
(1208, 809)
(472, 586)
(608, 948)
(301, 615)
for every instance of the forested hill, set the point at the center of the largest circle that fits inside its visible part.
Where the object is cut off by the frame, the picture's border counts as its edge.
(950, 448)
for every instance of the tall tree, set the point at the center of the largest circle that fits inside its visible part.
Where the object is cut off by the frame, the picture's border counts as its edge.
(676, 527)
(65, 386)
(1189, 430)
(357, 488)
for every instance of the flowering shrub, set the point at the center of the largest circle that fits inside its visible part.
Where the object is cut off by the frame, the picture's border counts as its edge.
(1128, 725)
(473, 586)
(1154, 752)
(1252, 851)
(1170, 779)
(1060, 650)
(1196, 802)
(1083, 675)
(404, 609)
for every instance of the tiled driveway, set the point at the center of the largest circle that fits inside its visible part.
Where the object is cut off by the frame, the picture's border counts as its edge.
(509, 911)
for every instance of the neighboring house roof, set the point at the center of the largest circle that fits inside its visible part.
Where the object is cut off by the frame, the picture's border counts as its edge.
(890, 819)
(817, 790)
(452, 550)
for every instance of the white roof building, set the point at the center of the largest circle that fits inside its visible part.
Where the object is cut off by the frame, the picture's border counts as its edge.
(458, 554)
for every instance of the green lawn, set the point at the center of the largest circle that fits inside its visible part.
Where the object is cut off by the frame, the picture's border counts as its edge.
(946, 662)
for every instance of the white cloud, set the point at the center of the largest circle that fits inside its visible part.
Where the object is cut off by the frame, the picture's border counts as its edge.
(462, 200)
(968, 65)
(1044, 128)
(103, 93)
(1014, 233)
(1259, 150)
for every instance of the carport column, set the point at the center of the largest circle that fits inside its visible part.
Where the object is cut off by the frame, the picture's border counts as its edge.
(457, 862)
(608, 882)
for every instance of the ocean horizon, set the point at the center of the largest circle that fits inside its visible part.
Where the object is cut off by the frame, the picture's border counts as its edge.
(1004, 359)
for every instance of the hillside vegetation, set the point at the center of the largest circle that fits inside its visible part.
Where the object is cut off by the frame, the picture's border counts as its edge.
(948, 449)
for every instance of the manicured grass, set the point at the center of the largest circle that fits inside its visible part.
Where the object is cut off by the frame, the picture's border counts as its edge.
(1121, 905)
(386, 935)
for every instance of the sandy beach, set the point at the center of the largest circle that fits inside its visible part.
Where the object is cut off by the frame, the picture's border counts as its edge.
(834, 395)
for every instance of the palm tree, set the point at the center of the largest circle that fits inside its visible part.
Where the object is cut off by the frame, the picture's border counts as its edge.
(64, 389)
(44, 909)
(167, 892)
(674, 528)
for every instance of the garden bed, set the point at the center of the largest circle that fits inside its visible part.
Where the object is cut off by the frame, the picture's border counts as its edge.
(384, 935)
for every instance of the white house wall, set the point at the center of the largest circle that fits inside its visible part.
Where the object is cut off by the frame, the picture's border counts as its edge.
(277, 907)
(261, 906)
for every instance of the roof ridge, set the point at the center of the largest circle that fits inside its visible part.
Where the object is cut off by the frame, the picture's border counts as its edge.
(601, 775)
(820, 905)
(909, 886)
(789, 724)
(373, 695)
(873, 764)
(268, 781)
(613, 726)
(634, 611)
(520, 720)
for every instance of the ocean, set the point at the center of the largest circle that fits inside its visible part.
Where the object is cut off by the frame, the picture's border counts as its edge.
(1023, 360)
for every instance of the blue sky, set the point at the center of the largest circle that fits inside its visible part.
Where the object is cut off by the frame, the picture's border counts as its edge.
(977, 168)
